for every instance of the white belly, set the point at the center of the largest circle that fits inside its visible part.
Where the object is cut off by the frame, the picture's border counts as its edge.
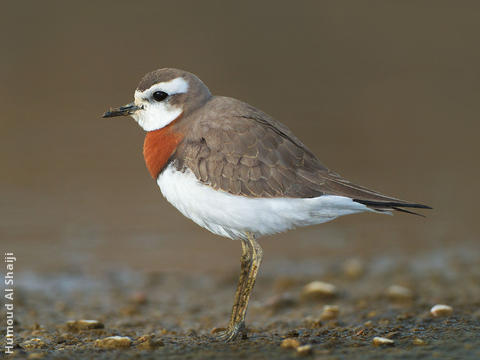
(232, 215)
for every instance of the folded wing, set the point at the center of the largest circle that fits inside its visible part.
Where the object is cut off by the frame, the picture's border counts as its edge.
(246, 152)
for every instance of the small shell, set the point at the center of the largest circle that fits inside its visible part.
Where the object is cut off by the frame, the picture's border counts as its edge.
(84, 324)
(35, 343)
(397, 292)
(329, 312)
(377, 340)
(304, 350)
(441, 310)
(353, 268)
(114, 342)
(418, 341)
(290, 343)
(149, 343)
(318, 289)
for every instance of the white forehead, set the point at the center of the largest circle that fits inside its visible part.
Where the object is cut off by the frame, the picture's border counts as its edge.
(175, 86)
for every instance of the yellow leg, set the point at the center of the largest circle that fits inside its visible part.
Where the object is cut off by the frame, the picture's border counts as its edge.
(250, 262)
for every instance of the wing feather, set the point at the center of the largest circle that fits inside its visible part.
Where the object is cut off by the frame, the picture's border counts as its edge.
(243, 151)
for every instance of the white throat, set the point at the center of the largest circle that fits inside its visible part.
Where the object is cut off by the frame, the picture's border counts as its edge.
(156, 115)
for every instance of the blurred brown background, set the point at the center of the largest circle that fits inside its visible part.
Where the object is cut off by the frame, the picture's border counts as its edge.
(386, 93)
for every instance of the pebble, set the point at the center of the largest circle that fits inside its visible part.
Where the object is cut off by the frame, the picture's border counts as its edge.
(398, 292)
(38, 332)
(318, 290)
(441, 310)
(329, 312)
(191, 333)
(139, 298)
(36, 356)
(290, 343)
(304, 350)
(353, 268)
(404, 316)
(377, 340)
(312, 322)
(129, 310)
(150, 344)
(114, 342)
(418, 341)
(84, 324)
(145, 338)
(34, 343)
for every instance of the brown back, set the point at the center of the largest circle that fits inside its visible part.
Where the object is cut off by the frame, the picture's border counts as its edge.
(234, 147)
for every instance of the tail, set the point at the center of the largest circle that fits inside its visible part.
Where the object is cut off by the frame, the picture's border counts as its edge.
(336, 185)
(392, 205)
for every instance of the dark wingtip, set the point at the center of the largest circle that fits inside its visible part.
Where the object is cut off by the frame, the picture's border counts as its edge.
(395, 205)
(407, 211)
(418, 206)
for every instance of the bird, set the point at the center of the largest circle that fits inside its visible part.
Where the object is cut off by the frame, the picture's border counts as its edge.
(237, 172)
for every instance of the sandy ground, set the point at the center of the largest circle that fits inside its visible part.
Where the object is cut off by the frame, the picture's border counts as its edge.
(174, 315)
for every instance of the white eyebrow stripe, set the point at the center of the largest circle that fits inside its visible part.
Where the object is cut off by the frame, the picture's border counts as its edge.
(175, 86)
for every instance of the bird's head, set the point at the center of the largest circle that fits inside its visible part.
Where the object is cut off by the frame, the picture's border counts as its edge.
(162, 96)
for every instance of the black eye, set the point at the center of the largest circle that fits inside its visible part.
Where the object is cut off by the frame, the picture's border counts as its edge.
(159, 95)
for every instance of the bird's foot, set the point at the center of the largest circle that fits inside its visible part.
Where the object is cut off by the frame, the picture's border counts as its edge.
(232, 333)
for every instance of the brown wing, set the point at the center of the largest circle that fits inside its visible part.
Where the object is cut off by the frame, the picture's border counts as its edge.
(246, 152)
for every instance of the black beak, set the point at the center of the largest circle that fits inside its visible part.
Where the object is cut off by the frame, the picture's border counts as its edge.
(128, 109)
